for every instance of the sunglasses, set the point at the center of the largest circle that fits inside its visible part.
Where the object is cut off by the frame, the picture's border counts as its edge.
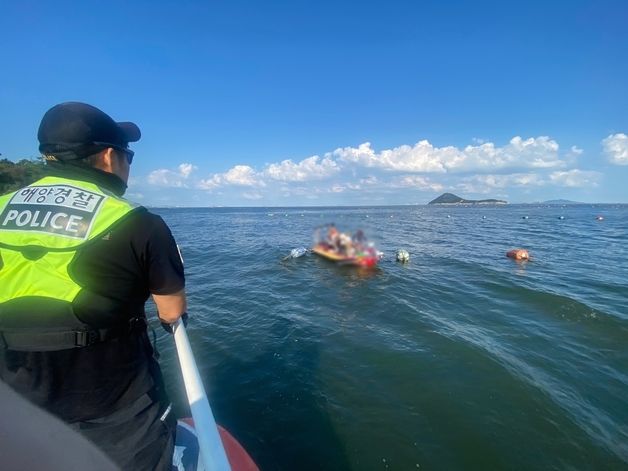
(128, 153)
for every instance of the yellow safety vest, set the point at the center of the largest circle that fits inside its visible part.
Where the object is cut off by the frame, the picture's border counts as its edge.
(41, 228)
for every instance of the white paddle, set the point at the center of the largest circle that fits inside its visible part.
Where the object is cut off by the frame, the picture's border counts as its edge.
(210, 444)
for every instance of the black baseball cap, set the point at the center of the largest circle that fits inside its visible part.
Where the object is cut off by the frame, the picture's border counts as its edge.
(74, 130)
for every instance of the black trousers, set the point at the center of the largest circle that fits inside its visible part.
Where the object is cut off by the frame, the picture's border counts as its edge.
(136, 437)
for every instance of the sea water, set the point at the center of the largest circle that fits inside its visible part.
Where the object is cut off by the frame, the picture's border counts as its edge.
(460, 359)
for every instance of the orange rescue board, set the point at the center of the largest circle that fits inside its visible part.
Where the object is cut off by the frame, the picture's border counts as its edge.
(366, 260)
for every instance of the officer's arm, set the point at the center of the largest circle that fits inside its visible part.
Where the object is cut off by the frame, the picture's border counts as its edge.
(170, 307)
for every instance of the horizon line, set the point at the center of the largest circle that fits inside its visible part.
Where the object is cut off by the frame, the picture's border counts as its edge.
(383, 205)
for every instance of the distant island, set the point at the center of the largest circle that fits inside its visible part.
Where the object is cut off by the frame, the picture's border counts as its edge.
(450, 198)
(560, 202)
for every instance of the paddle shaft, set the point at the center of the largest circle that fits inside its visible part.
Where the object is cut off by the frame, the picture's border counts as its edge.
(212, 451)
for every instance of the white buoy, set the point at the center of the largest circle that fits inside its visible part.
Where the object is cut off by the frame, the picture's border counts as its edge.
(296, 253)
(403, 256)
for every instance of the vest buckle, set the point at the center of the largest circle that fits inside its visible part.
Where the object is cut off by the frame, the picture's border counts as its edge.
(84, 338)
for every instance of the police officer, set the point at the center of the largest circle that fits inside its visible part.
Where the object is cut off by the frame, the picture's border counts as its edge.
(77, 264)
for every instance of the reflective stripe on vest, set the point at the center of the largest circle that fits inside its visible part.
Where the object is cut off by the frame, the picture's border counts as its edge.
(41, 228)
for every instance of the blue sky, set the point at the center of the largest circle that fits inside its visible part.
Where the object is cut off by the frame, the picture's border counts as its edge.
(335, 103)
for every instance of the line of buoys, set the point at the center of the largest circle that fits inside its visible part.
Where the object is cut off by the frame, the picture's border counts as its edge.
(403, 256)
(518, 254)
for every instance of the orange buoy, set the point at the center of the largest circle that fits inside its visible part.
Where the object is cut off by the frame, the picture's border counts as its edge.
(518, 254)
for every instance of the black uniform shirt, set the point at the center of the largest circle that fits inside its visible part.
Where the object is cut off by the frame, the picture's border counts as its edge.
(138, 256)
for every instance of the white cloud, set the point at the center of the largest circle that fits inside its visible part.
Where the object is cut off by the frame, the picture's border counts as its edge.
(364, 172)
(166, 177)
(515, 179)
(483, 184)
(417, 182)
(420, 158)
(370, 180)
(472, 187)
(307, 169)
(186, 169)
(616, 148)
(576, 150)
(540, 152)
(525, 179)
(576, 178)
(210, 183)
(240, 175)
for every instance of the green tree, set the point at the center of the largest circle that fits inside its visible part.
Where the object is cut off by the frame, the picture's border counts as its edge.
(16, 175)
